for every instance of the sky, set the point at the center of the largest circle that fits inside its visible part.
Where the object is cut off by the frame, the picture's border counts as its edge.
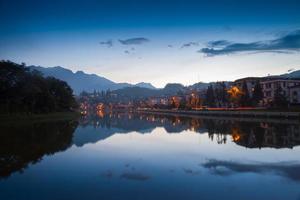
(154, 41)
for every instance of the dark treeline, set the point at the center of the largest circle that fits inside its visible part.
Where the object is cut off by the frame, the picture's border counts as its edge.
(27, 143)
(25, 91)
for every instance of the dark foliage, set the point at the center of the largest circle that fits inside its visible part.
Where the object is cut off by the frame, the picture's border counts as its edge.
(245, 98)
(257, 94)
(280, 100)
(25, 91)
(27, 143)
(210, 96)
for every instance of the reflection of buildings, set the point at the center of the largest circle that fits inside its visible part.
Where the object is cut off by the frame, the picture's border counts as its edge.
(22, 145)
(275, 137)
(248, 134)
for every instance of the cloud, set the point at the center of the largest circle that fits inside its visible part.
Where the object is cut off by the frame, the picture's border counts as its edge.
(134, 41)
(285, 44)
(108, 43)
(225, 168)
(218, 43)
(189, 44)
(170, 46)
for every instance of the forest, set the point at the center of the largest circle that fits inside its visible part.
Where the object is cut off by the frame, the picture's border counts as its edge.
(26, 91)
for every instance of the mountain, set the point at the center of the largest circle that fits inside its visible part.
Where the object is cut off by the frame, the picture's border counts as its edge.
(294, 74)
(136, 92)
(172, 88)
(143, 92)
(145, 85)
(80, 81)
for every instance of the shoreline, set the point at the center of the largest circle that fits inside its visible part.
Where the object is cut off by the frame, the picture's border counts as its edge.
(22, 117)
(239, 114)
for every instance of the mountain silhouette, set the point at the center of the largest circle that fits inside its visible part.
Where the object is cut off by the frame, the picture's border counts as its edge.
(81, 81)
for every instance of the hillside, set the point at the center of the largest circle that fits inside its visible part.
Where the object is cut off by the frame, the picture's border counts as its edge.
(80, 80)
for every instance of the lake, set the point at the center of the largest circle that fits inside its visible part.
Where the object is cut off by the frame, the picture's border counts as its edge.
(142, 156)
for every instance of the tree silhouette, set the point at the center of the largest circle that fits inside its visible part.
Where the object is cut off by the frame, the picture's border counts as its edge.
(210, 96)
(257, 94)
(245, 98)
(25, 91)
(280, 100)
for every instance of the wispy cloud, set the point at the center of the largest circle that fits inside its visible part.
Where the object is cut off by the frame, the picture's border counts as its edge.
(134, 41)
(189, 44)
(218, 43)
(108, 43)
(284, 44)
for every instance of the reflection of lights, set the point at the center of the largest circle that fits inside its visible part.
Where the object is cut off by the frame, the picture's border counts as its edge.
(100, 106)
(83, 112)
(236, 137)
(100, 113)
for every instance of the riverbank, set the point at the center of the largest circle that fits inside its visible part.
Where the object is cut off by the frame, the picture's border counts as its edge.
(17, 117)
(241, 113)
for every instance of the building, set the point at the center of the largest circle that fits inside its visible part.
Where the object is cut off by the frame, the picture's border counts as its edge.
(250, 81)
(294, 94)
(153, 101)
(290, 89)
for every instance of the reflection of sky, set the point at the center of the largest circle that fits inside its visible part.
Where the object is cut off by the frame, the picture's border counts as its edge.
(69, 34)
(157, 164)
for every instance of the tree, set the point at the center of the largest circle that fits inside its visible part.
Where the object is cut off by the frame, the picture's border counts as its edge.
(245, 98)
(257, 94)
(210, 96)
(27, 91)
(280, 100)
(221, 96)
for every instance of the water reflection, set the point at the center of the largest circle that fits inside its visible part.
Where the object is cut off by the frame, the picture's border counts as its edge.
(26, 143)
(190, 156)
(289, 170)
(274, 134)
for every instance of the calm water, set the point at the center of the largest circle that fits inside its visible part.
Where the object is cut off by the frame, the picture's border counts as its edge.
(123, 156)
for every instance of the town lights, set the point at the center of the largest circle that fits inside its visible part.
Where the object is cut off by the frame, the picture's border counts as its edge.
(234, 91)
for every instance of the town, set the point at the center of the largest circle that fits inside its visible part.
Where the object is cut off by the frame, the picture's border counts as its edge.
(251, 93)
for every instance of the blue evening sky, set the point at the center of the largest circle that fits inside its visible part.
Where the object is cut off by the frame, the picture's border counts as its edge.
(154, 41)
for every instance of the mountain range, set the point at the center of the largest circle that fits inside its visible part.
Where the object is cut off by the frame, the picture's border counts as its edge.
(81, 81)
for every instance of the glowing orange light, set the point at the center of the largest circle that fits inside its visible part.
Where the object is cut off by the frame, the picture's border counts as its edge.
(234, 91)
(236, 137)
